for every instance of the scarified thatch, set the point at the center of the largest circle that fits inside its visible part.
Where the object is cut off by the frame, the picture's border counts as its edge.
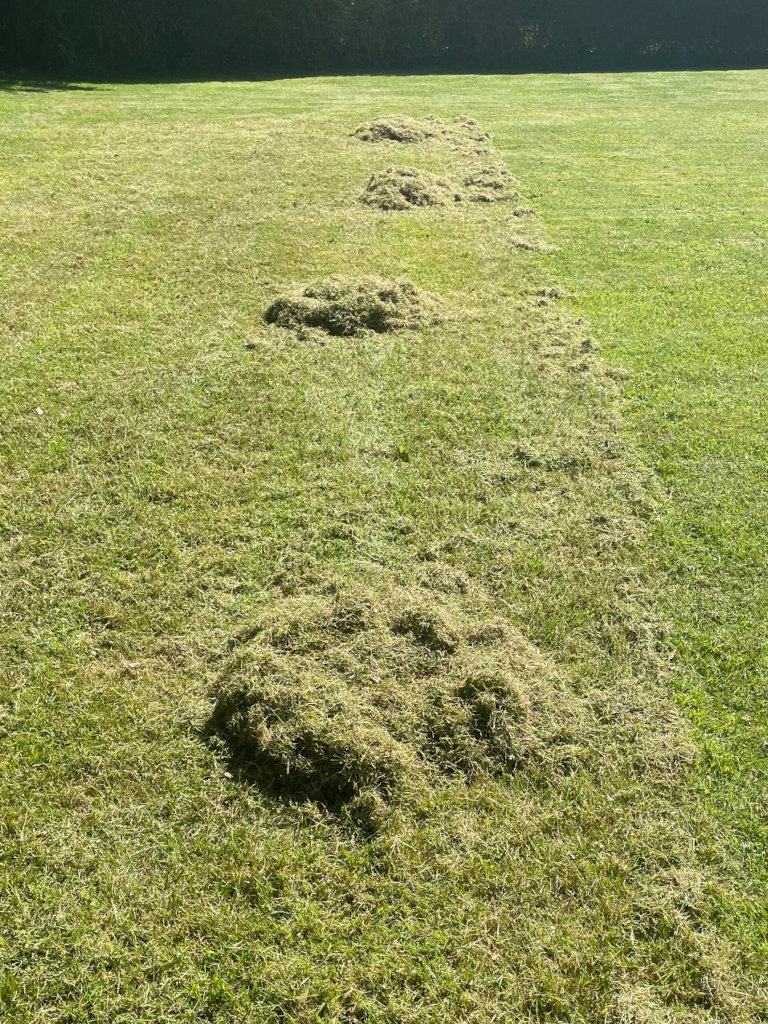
(401, 188)
(354, 701)
(490, 184)
(394, 128)
(306, 734)
(461, 132)
(347, 306)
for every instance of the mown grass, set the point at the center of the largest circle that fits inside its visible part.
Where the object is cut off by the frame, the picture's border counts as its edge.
(174, 470)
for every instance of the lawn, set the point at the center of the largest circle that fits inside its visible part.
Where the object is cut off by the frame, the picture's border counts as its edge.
(502, 574)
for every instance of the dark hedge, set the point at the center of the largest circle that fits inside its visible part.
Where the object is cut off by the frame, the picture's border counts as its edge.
(166, 38)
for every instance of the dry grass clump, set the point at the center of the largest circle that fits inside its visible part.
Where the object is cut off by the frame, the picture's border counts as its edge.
(457, 131)
(480, 723)
(490, 184)
(528, 243)
(425, 623)
(394, 128)
(349, 305)
(302, 731)
(357, 699)
(402, 188)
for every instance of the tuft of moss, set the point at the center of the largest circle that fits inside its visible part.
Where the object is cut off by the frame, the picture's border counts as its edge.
(346, 306)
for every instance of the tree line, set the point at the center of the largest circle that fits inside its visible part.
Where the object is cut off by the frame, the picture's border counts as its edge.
(259, 37)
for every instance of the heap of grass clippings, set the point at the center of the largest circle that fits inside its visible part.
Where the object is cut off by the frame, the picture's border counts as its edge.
(402, 188)
(490, 184)
(359, 699)
(457, 131)
(349, 305)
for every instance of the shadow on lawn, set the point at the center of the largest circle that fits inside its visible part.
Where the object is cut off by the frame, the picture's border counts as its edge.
(42, 85)
(656, 64)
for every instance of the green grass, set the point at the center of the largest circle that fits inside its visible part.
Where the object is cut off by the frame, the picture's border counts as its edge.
(174, 471)
(668, 260)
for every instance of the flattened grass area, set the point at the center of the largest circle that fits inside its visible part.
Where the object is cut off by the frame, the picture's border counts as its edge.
(176, 474)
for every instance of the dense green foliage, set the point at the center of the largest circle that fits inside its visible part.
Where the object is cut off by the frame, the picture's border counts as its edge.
(255, 37)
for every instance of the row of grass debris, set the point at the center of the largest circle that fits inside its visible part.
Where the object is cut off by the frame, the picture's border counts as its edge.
(359, 700)
(344, 306)
(458, 132)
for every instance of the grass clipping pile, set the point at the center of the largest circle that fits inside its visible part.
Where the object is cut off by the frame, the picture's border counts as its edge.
(459, 132)
(403, 188)
(345, 306)
(490, 184)
(357, 701)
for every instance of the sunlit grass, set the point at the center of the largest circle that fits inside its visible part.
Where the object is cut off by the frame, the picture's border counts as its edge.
(173, 471)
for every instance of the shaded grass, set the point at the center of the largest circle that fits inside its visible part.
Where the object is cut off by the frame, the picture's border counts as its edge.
(191, 470)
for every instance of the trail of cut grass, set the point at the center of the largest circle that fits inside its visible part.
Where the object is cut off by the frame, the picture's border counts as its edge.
(662, 223)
